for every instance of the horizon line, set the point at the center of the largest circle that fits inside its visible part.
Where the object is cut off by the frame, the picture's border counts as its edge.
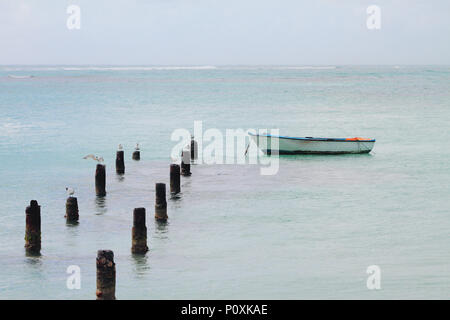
(219, 65)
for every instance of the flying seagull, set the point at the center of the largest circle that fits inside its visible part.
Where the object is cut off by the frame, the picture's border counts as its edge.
(70, 191)
(91, 156)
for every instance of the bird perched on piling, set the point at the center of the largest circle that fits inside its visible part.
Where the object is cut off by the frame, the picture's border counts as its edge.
(137, 147)
(120, 148)
(70, 191)
(93, 157)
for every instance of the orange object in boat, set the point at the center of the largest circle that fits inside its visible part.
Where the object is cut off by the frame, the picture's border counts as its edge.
(357, 139)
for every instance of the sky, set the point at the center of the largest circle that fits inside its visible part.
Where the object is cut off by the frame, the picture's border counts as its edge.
(224, 32)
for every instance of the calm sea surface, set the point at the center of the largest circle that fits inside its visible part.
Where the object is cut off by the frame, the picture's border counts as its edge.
(310, 231)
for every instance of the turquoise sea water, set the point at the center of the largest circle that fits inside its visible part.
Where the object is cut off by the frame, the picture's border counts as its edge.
(310, 231)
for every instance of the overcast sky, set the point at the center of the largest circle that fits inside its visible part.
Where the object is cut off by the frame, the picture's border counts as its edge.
(224, 32)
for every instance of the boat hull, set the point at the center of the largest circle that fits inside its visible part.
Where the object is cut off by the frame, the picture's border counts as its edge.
(291, 145)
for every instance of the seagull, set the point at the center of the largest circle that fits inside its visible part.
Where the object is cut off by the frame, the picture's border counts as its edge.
(91, 156)
(137, 147)
(70, 191)
(120, 147)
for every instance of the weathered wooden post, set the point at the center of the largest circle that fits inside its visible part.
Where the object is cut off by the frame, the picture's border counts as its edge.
(185, 163)
(100, 180)
(160, 202)
(136, 155)
(72, 209)
(106, 275)
(194, 149)
(139, 232)
(33, 228)
(120, 162)
(174, 178)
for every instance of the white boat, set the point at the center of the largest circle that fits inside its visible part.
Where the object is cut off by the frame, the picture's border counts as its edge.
(309, 145)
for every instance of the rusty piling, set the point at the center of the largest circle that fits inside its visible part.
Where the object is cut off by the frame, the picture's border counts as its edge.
(72, 209)
(120, 162)
(139, 232)
(175, 178)
(100, 180)
(160, 202)
(106, 275)
(33, 228)
(185, 163)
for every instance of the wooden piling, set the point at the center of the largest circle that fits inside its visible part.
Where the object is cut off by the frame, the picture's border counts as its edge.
(100, 180)
(185, 163)
(106, 275)
(175, 178)
(160, 202)
(33, 228)
(136, 155)
(139, 232)
(194, 149)
(120, 162)
(72, 209)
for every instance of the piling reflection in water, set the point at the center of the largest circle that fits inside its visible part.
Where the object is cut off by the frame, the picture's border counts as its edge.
(71, 224)
(34, 261)
(140, 264)
(72, 238)
(100, 205)
(176, 197)
(161, 229)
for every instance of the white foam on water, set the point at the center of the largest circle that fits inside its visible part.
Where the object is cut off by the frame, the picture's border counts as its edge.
(20, 77)
(305, 68)
(10, 127)
(279, 67)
